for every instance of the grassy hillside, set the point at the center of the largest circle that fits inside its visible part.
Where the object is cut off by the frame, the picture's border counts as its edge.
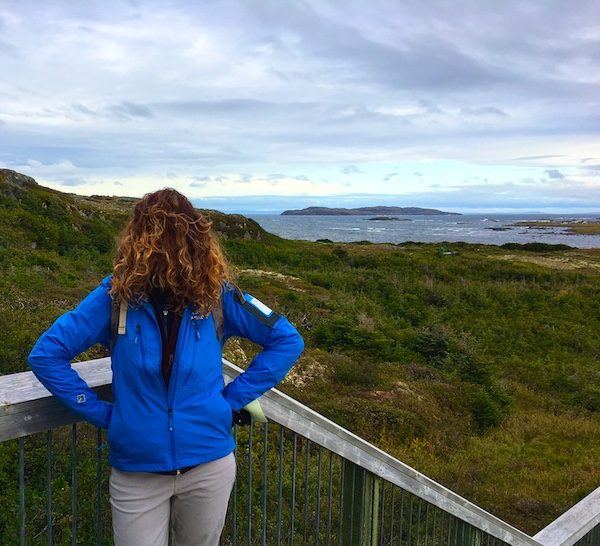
(478, 368)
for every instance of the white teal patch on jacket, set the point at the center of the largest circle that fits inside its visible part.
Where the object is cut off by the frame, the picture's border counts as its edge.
(265, 310)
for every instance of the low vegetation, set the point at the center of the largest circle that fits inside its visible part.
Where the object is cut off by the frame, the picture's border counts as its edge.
(579, 227)
(478, 369)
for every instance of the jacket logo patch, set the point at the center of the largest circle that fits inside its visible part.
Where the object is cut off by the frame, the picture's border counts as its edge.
(258, 304)
(80, 398)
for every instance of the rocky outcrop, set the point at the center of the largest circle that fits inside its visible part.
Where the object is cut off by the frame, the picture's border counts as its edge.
(113, 210)
(235, 226)
(17, 179)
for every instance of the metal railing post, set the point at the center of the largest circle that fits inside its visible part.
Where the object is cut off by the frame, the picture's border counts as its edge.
(360, 510)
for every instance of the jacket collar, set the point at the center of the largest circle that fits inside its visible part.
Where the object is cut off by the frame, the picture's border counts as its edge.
(149, 308)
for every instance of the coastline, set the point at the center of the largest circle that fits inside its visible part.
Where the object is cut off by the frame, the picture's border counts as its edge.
(484, 229)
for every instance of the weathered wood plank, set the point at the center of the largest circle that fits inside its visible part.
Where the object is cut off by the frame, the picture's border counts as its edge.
(29, 418)
(574, 524)
(22, 387)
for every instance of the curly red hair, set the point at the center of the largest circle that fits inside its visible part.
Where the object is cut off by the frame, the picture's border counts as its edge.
(168, 243)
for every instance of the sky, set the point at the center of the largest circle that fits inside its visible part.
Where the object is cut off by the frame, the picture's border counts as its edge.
(263, 105)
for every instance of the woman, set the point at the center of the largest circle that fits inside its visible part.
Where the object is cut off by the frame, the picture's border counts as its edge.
(169, 427)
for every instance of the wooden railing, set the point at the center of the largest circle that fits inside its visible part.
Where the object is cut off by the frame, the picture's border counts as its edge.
(353, 492)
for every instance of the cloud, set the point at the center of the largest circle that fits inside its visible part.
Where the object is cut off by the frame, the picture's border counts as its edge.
(350, 169)
(82, 109)
(482, 111)
(524, 195)
(130, 110)
(555, 174)
(229, 87)
(534, 157)
(63, 172)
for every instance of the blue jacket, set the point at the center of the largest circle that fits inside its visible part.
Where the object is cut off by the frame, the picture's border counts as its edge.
(149, 426)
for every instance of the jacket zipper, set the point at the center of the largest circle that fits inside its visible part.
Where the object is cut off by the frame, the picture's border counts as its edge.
(169, 395)
(138, 329)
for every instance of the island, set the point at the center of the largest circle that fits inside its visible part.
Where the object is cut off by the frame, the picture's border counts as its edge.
(575, 226)
(380, 210)
(378, 218)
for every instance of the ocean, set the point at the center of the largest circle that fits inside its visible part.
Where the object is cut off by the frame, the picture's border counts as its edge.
(471, 228)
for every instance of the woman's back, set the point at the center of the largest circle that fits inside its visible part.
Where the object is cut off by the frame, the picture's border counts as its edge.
(171, 412)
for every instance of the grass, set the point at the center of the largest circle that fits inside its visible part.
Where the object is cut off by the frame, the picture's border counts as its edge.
(479, 368)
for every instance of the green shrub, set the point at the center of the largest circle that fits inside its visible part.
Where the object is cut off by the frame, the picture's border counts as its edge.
(487, 411)
(536, 247)
(589, 398)
(433, 343)
(349, 372)
(343, 333)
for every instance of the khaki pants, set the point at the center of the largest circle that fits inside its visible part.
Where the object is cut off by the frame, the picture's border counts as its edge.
(144, 505)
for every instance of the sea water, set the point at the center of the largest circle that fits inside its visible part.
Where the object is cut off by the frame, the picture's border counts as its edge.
(471, 228)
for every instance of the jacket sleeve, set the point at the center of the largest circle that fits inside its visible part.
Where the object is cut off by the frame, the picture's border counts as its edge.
(245, 316)
(71, 334)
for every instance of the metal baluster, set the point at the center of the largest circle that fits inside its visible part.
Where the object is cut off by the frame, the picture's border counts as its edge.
(318, 514)
(392, 515)
(329, 498)
(250, 428)
(22, 491)
(99, 486)
(280, 482)
(341, 520)
(49, 487)
(426, 524)
(264, 503)
(435, 513)
(372, 522)
(457, 523)
(410, 519)
(294, 445)
(382, 504)
(306, 460)
(74, 484)
(235, 484)
(442, 516)
(447, 529)
(352, 501)
(401, 515)
(362, 507)
(419, 523)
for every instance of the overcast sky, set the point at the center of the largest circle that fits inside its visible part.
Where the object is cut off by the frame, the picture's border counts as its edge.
(480, 105)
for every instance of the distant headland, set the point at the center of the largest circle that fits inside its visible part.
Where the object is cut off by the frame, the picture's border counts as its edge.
(379, 210)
